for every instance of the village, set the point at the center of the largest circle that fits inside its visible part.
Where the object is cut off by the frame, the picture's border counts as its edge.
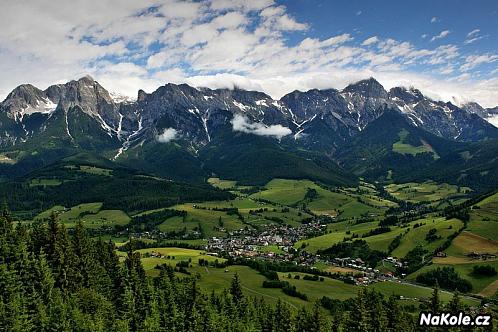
(277, 243)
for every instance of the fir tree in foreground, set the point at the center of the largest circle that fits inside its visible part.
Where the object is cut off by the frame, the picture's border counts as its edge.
(51, 280)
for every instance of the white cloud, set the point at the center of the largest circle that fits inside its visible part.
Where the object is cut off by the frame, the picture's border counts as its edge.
(472, 61)
(473, 36)
(473, 32)
(370, 41)
(359, 12)
(441, 35)
(471, 40)
(434, 19)
(167, 135)
(242, 124)
(129, 45)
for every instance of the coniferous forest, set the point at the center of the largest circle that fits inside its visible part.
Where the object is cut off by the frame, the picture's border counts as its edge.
(53, 280)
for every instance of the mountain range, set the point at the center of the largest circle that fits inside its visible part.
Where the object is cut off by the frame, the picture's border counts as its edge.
(188, 134)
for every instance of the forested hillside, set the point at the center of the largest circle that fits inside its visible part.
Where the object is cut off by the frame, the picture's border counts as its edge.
(51, 280)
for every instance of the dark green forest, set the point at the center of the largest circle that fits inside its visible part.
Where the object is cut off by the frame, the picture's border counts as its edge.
(55, 280)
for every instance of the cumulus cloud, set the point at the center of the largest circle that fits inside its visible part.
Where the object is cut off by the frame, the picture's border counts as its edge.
(434, 19)
(472, 61)
(243, 124)
(370, 41)
(129, 45)
(167, 135)
(441, 35)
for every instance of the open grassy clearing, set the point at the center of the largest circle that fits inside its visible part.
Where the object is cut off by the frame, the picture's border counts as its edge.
(241, 203)
(338, 233)
(484, 218)
(339, 290)
(468, 242)
(417, 236)
(254, 213)
(44, 182)
(342, 205)
(105, 218)
(415, 291)
(209, 220)
(217, 280)
(427, 191)
(292, 192)
(46, 214)
(152, 257)
(262, 212)
(490, 290)
(71, 214)
(95, 170)
(90, 214)
(404, 148)
(285, 192)
(381, 241)
(479, 283)
(270, 248)
(213, 279)
(322, 266)
(315, 290)
(222, 184)
(414, 237)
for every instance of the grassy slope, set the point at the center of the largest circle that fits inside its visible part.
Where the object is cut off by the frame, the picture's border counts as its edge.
(484, 219)
(291, 192)
(213, 279)
(465, 271)
(90, 213)
(286, 192)
(175, 255)
(426, 191)
(416, 236)
(404, 148)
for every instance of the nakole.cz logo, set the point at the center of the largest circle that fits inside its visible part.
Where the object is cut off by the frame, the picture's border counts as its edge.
(450, 319)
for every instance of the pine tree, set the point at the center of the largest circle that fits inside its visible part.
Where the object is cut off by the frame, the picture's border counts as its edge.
(435, 304)
(455, 305)
(83, 256)
(316, 323)
(393, 314)
(236, 289)
(376, 313)
(357, 320)
(301, 321)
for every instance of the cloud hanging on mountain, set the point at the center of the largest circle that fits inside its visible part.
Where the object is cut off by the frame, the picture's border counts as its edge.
(242, 123)
(168, 135)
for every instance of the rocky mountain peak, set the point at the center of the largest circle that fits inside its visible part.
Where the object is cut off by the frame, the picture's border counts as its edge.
(26, 93)
(369, 88)
(473, 107)
(141, 96)
(409, 96)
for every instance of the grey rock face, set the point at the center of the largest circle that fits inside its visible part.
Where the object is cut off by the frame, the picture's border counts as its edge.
(319, 119)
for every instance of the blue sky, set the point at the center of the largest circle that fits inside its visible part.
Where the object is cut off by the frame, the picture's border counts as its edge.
(445, 48)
